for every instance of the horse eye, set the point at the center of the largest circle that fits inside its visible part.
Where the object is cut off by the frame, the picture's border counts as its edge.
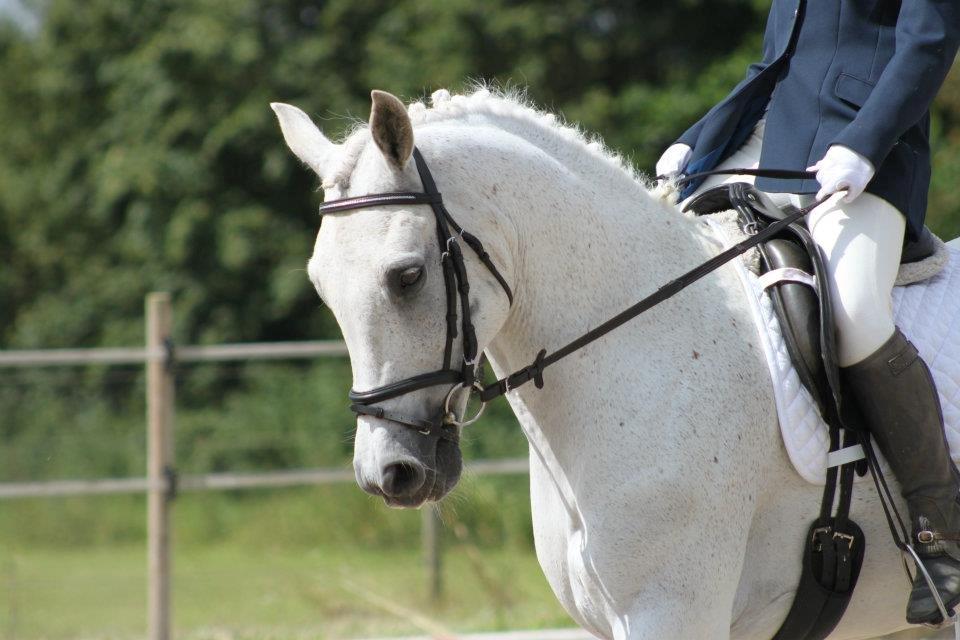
(406, 280)
(410, 276)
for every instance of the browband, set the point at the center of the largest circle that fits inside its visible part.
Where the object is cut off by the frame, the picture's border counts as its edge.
(379, 200)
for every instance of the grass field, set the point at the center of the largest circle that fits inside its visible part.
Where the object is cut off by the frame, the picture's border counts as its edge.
(300, 563)
(229, 592)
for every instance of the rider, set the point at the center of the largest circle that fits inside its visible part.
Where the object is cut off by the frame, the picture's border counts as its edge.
(846, 86)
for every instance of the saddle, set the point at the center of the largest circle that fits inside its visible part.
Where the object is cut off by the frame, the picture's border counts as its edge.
(793, 272)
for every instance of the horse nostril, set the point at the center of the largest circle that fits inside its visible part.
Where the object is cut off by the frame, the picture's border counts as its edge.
(402, 479)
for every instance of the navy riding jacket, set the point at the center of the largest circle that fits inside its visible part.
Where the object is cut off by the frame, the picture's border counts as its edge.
(859, 73)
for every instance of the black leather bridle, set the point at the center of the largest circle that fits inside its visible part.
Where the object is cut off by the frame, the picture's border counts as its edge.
(456, 285)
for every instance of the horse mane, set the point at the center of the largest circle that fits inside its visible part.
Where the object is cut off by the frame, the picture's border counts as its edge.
(511, 110)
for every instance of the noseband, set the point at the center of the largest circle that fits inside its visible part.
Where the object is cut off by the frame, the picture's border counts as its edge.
(456, 285)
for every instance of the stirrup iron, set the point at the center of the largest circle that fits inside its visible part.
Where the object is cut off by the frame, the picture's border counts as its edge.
(947, 618)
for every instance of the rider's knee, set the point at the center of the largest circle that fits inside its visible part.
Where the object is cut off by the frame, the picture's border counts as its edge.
(863, 326)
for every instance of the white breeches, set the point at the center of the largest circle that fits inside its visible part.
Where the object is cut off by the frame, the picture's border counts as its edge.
(861, 242)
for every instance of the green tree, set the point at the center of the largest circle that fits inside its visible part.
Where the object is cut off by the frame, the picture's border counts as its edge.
(140, 154)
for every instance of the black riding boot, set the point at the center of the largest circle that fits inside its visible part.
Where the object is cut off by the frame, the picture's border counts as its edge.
(897, 396)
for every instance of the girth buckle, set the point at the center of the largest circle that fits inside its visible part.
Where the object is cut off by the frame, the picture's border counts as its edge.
(844, 536)
(817, 545)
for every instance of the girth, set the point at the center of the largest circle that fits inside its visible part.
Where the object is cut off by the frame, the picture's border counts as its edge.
(834, 545)
(456, 288)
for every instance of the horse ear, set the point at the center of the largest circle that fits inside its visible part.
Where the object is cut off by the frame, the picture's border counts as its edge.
(303, 137)
(391, 128)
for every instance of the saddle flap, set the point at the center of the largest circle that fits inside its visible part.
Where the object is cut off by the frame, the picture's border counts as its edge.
(799, 312)
(805, 314)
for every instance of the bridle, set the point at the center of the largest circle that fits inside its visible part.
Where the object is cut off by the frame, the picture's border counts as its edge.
(456, 286)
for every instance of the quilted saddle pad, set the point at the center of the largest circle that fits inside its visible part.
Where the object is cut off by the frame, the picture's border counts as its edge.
(928, 313)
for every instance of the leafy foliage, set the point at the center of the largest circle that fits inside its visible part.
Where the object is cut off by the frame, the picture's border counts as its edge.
(140, 154)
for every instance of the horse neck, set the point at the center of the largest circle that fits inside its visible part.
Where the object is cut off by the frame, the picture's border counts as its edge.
(587, 241)
(591, 252)
(583, 241)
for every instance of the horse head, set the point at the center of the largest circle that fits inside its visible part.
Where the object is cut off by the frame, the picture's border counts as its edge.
(380, 270)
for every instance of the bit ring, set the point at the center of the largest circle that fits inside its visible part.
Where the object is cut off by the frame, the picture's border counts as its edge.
(450, 417)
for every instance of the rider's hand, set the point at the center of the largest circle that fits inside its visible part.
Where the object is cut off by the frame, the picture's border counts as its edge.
(842, 168)
(673, 160)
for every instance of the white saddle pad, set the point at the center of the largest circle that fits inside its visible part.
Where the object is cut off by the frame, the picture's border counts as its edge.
(928, 313)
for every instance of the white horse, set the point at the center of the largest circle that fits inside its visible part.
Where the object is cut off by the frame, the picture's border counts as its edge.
(664, 505)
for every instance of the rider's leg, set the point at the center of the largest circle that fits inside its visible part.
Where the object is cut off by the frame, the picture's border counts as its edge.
(891, 383)
(861, 242)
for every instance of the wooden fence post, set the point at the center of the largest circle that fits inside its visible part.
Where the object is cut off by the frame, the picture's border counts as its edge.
(432, 553)
(159, 462)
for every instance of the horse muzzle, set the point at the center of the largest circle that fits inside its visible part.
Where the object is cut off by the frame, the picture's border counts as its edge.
(402, 466)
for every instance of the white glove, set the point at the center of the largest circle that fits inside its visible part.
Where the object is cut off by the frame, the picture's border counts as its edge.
(673, 160)
(842, 168)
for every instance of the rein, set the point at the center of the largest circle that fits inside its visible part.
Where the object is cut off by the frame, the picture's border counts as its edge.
(457, 287)
(534, 371)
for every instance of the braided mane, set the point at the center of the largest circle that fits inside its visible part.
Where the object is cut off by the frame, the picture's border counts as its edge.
(510, 110)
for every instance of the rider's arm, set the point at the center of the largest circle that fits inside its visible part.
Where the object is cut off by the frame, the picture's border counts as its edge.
(927, 35)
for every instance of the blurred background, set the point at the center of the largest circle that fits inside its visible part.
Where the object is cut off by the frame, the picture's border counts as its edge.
(138, 153)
